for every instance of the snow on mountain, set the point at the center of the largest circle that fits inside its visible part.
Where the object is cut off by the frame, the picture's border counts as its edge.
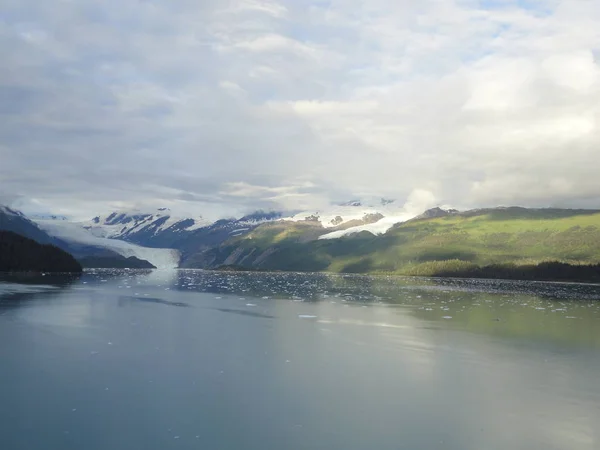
(334, 216)
(17, 222)
(74, 232)
(355, 211)
(47, 217)
(386, 223)
(162, 229)
(379, 227)
(257, 218)
(9, 211)
(121, 225)
(375, 215)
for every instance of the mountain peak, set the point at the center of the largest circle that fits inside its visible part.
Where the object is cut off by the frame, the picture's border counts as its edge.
(261, 216)
(436, 212)
(10, 211)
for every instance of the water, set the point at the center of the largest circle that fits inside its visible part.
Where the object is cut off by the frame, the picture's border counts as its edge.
(195, 360)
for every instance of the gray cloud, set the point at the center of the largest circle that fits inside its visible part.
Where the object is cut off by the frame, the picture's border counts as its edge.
(221, 107)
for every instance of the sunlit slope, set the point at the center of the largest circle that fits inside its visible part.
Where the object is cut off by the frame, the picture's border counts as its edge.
(496, 236)
(510, 235)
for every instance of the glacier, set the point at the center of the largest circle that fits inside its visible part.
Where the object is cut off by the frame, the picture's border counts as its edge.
(162, 258)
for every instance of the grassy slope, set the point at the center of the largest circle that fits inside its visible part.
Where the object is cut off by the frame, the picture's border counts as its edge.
(425, 247)
(498, 236)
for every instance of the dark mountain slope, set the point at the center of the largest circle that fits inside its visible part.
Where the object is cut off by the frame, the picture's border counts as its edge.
(15, 221)
(21, 254)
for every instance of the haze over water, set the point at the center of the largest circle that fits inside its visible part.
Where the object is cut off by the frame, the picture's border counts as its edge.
(193, 359)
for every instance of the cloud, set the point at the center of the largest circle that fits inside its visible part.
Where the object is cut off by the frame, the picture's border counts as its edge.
(219, 108)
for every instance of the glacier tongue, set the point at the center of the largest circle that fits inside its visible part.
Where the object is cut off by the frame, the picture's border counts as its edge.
(162, 258)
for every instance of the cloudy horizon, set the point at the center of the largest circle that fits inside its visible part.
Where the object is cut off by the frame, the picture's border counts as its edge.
(223, 107)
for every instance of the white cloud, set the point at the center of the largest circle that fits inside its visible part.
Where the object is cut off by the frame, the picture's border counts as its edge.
(226, 107)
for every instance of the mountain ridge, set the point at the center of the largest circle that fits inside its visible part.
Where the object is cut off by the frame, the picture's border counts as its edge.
(437, 241)
(41, 232)
(423, 245)
(22, 254)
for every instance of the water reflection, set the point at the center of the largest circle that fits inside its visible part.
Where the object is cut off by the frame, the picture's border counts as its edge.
(561, 313)
(19, 288)
(186, 359)
(127, 300)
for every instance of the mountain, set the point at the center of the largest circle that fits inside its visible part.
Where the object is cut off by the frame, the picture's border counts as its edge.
(158, 229)
(222, 230)
(434, 213)
(21, 254)
(161, 229)
(433, 243)
(83, 244)
(157, 236)
(351, 238)
(17, 222)
(61, 233)
(304, 227)
(355, 216)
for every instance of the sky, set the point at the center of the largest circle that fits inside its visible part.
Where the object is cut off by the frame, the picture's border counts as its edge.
(220, 107)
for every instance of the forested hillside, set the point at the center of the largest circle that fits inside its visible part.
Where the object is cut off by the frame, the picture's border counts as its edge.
(21, 254)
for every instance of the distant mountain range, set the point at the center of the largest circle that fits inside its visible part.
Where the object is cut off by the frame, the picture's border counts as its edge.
(69, 240)
(345, 238)
(167, 240)
(434, 243)
(160, 229)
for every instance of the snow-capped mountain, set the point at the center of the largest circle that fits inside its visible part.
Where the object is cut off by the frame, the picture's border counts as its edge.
(348, 214)
(375, 217)
(81, 240)
(17, 222)
(162, 229)
(158, 236)
(130, 225)
(157, 229)
(58, 231)
(355, 216)
(250, 221)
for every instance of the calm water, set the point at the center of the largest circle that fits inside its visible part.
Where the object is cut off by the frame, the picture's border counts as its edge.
(196, 360)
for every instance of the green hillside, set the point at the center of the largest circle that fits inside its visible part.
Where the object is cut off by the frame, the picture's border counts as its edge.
(517, 236)
(423, 247)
